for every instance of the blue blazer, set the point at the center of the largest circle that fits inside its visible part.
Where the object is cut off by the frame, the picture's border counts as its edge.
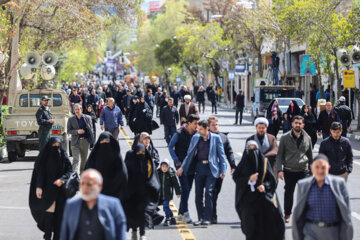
(110, 213)
(217, 157)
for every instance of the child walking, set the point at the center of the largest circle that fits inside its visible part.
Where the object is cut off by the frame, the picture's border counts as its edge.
(168, 183)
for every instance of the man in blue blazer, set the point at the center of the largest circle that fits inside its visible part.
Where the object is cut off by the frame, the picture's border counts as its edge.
(206, 158)
(94, 216)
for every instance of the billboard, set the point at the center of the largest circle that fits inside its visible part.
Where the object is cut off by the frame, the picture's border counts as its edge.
(307, 66)
(154, 6)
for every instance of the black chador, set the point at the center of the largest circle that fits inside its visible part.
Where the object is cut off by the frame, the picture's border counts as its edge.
(143, 189)
(52, 164)
(259, 212)
(106, 158)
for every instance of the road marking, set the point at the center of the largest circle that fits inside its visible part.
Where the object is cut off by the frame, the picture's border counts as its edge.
(14, 208)
(183, 228)
(355, 215)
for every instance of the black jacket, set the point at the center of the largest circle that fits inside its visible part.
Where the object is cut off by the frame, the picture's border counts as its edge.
(169, 116)
(149, 100)
(324, 121)
(43, 116)
(339, 153)
(200, 96)
(228, 150)
(240, 101)
(168, 182)
(344, 115)
(212, 96)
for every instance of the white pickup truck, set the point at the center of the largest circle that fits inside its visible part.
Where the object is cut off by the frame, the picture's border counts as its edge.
(20, 126)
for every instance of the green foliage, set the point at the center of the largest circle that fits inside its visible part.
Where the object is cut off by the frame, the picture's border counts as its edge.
(168, 52)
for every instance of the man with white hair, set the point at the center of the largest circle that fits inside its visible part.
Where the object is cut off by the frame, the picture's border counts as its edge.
(93, 216)
(187, 108)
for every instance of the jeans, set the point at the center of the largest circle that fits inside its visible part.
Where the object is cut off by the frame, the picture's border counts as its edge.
(213, 106)
(239, 110)
(204, 180)
(186, 182)
(276, 76)
(115, 132)
(166, 207)
(169, 132)
(203, 105)
(80, 153)
(291, 178)
(216, 191)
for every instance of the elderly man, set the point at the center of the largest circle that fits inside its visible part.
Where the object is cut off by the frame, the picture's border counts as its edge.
(267, 143)
(81, 129)
(323, 206)
(326, 117)
(206, 158)
(111, 117)
(187, 108)
(93, 216)
(293, 160)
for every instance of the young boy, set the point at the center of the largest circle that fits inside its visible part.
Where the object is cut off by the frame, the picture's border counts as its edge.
(168, 182)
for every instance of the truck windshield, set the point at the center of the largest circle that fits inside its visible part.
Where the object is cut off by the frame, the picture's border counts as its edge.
(35, 100)
(268, 94)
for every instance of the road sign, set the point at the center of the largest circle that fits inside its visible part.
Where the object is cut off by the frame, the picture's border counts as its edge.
(239, 68)
(231, 75)
(349, 79)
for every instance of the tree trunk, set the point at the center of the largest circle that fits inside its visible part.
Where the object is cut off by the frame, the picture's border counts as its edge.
(260, 67)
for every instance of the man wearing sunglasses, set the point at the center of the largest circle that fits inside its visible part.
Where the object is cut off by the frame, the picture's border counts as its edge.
(45, 122)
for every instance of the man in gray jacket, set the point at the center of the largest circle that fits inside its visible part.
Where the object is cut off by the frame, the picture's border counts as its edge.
(322, 210)
(81, 129)
(293, 159)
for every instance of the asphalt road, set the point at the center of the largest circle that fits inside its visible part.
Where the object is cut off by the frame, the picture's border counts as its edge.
(16, 222)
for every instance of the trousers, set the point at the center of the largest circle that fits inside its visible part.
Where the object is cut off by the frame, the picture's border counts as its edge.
(115, 132)
(167, 210)
(44, 136)
(186, 182)
(213, 107)
(80, 153)
(201, 103)
(291, 178)
(239, 110)
(313, 232)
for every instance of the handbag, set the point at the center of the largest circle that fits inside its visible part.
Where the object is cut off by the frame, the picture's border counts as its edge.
(154, 125)
(71, 185)
(274, 199)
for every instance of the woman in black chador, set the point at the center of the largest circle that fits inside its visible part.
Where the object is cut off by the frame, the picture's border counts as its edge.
(46, 197)
(310, 123)
(143, 190)
(143, 117)
(106, 158)
(255, 200)
(293, 110)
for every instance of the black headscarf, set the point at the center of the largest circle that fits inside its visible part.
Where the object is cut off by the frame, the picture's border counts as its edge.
(106, 158)
(51, 164)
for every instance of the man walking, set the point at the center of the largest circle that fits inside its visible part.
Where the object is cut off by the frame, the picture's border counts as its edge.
(239, 107)
(214, 128)
(45, 122)
(169, 117)
(187, 108)
(213, 99)
(74, 98)
(344, 113)
(322, 210)
(82, 136)
(149, 99)
(94, 216)
(158, 95)
(111, 117)
(127, 103)
(339, 152)
(326, 118)
(181, 141)
(205, 158)
(293, 160)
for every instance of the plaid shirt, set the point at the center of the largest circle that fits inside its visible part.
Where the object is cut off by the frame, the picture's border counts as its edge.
(321, 204)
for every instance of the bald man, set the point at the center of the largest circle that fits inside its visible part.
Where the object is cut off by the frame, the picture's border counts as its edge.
(93, 216)
(111, 118)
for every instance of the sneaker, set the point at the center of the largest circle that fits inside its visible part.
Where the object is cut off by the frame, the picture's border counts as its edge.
(134, 235)
(172, 221)
(197, 223)
(180, 218)
(205, 223)
(166, 223)
(143, 238)
(187, 217)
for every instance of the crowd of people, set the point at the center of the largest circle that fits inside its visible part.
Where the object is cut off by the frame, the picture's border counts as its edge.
(118, 195)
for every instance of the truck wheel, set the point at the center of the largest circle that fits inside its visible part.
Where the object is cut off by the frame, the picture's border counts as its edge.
(21, 152)
(12, 156)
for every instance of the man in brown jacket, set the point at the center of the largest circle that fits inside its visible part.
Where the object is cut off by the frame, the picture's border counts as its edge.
(266, 142)
(187, 108)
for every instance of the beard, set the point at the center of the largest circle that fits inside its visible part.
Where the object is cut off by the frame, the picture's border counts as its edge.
(90, 195)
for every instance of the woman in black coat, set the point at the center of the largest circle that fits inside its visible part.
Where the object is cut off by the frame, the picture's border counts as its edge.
(310, 123)
(90, 112)
(132, 113)
(143, 117)
(46, 198)
(143, 190)
(274, 105)
(274, 123)
(257, 205)
(145, 138)
(106, 158)
(293, 110)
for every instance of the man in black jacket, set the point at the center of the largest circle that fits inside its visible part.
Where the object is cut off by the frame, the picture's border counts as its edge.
(339, 151)
(214, 127)
(239, 107)
(326, 118)
(181, 141)
(169, 117)
(213, 99)
(344, 115)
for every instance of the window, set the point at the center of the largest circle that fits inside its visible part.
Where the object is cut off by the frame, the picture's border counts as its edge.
(35, 99)
(24, 100)
(57, 100)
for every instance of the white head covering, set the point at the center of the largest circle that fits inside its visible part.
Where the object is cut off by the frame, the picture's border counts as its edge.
(165, 161)
(187, 97)
(252, 142)
(261, 120)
